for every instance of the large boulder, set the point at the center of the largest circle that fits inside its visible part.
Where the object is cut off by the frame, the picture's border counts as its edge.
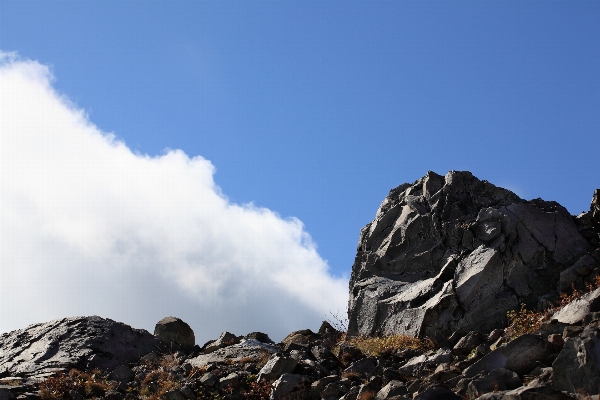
(77, 342)
(456, 252)
(175, 334)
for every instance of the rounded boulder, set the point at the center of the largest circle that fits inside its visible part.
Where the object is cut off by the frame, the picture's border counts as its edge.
(175, 334)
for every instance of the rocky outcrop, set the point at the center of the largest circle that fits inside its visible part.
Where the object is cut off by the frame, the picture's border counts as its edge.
(455, 253)
(78, 342)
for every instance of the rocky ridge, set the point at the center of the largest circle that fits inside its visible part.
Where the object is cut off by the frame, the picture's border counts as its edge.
(543, 351)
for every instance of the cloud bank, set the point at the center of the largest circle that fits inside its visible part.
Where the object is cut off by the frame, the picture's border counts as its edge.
(88, 227)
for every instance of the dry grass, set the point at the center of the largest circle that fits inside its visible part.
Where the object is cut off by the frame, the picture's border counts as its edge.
(526, 321)
(58, 386)
(157, 383)
(386, 345)
(258, 390)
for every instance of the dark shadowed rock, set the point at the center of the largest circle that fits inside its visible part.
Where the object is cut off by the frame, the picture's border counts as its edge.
(437, 393)
(78, 342)
(577, 367)
(520, 356)
(175, 334)
(455, 252)
(498, 379)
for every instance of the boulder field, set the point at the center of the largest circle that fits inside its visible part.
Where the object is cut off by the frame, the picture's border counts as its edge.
(442, 263)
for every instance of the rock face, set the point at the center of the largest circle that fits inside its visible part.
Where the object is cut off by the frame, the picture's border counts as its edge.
(78, 342)
(456, 252)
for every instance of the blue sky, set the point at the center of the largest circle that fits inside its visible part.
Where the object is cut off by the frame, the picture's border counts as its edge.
(315, 110)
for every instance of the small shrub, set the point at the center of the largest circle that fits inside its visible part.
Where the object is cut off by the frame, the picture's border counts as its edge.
(258, 390)
(523, 322)
(338, 321)
(157, 383)
(57, 387)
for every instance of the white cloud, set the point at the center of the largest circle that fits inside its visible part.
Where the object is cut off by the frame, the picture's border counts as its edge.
(89, 227)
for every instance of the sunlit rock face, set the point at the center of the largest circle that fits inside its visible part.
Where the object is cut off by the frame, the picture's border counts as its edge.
(455, 252)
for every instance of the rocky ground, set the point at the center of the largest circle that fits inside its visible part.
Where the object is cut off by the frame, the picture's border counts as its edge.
(72, 359)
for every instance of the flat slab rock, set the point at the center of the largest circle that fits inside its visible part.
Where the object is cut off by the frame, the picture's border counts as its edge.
(249, 348)
(455, 252)
(77, 342)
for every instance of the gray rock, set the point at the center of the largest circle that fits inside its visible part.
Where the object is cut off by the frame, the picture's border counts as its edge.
(417, 366)
(467, 343)
(335, 390)
(122, 374)
(290, 386)
(246, 349)
(175, 334)
(393, 388)
(229, 380)
(208, 379)
(226, 339)
(352, 394)
(455, 252)
(519, 355)
(77, 342)
(276, 366)
(261, 337)
(498, 379)
(577, 310)
(577, 367)
(363, 366)
(317, 387)
(437, 393)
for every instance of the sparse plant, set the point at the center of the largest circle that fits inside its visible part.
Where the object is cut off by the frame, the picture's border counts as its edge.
(157, 383)
(258, 390)
(378, 346)
(59, 385)
(522, 322)
(472, 353)
(338, 321)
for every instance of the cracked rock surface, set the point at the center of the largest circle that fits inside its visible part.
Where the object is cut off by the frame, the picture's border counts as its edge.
(453, 252)
(77, 342)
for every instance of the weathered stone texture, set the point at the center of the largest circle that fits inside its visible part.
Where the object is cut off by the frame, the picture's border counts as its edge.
(456, 252)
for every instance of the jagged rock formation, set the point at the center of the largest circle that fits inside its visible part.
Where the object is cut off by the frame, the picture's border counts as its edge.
(456, 253)
(77, 342)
